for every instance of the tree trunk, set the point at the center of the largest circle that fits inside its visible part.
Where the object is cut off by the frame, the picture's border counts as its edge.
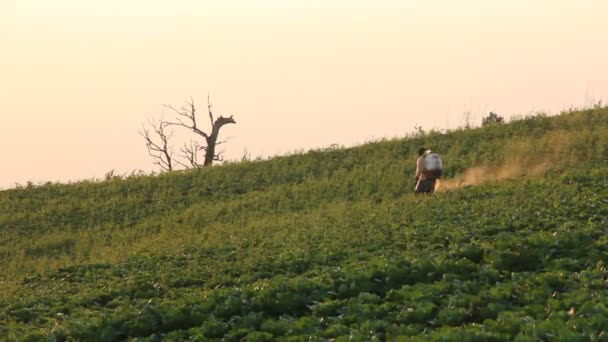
(210, 154)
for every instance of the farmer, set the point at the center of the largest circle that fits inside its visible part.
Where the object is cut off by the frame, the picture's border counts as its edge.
(426, 178)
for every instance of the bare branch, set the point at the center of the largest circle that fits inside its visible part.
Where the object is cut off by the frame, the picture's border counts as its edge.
(190, 115)
(219, 156)
(160, 151)
(185, 166)
(223, 141)
(209, 109)
(179, 114)
(190, 153)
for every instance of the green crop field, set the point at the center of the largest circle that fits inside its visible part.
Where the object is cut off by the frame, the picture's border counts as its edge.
(328, 245)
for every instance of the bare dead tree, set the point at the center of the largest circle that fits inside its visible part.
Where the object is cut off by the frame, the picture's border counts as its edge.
(160, 151)
(186, 117)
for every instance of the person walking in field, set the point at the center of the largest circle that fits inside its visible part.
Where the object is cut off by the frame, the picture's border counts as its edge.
(429, 168)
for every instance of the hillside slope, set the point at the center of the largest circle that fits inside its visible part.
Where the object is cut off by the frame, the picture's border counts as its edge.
(329, 244)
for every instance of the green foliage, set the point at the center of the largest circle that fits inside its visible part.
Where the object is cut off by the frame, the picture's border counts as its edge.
(492, 119)
(330, 244)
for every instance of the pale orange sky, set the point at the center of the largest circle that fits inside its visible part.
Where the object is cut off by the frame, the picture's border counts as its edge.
(77, 78)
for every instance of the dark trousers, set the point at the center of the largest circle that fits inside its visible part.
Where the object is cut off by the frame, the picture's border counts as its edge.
(425, 186)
